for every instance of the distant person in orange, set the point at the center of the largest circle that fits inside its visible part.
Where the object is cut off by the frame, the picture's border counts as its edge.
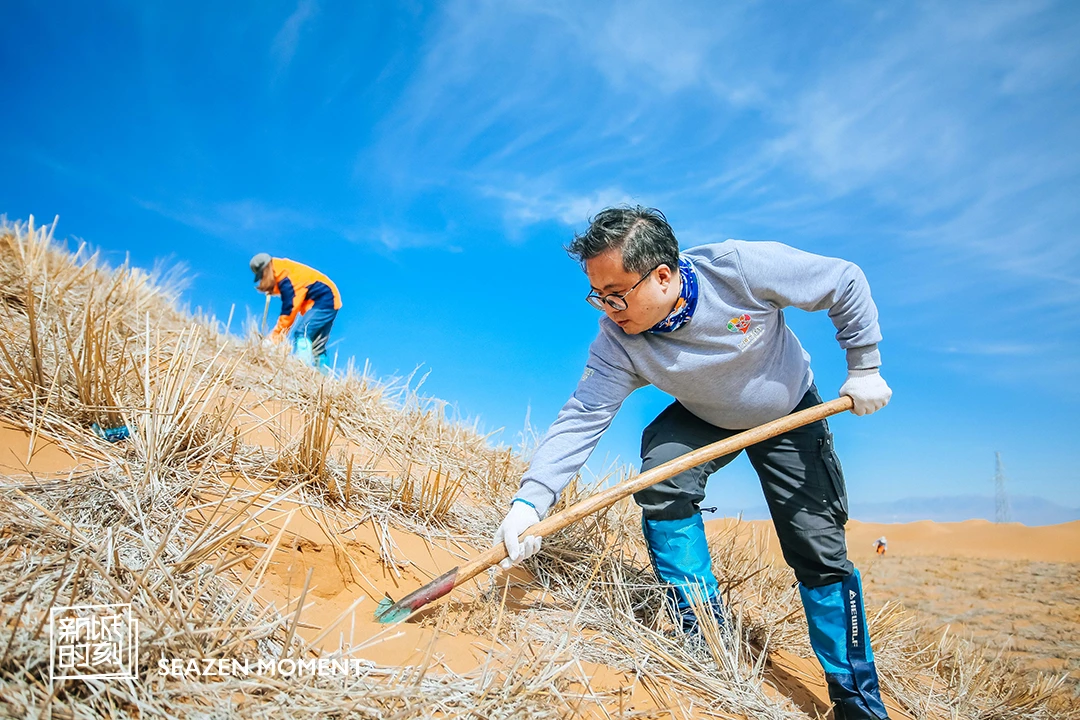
(881, 545)
(305, 293)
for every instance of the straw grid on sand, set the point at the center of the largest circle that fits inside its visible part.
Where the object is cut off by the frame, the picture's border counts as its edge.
(164, 521)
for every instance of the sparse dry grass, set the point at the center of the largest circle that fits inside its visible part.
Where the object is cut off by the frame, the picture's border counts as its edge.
(149, 524)
(1020, 617)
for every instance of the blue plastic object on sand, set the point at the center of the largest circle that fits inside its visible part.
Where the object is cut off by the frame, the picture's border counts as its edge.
(113, 434)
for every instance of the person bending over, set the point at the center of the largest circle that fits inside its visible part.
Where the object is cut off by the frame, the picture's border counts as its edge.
(306, 294)
(706, 326)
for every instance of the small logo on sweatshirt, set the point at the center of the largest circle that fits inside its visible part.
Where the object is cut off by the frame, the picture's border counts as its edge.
(587, 374)
(739, 324)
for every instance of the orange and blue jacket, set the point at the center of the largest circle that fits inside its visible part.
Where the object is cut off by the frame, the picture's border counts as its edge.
(301, 288)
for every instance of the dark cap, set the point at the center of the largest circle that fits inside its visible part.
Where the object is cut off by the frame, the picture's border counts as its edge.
(258, 265)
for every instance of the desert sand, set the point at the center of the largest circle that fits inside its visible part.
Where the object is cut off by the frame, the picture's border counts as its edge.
(1013, 589)
(941, 570)
(23, 453)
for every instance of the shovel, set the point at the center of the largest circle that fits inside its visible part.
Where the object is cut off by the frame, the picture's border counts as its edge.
(266, 311)
(390, 612)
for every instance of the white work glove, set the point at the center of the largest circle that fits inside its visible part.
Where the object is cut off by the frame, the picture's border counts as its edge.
(520, 518)
(868, 389)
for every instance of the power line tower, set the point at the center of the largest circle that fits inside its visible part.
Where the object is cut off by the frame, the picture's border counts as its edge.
(1002, 513)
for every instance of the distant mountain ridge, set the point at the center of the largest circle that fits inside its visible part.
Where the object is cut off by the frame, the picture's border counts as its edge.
(1026, 509)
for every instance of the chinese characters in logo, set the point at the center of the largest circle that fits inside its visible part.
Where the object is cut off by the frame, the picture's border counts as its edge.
(93, 641)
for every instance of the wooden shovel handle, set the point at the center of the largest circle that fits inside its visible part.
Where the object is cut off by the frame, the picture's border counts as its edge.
(606, 498)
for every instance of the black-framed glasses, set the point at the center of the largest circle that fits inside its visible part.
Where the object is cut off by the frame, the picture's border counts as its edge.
(616, 301)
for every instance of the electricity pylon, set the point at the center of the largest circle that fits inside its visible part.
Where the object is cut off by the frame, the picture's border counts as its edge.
(1001, 499)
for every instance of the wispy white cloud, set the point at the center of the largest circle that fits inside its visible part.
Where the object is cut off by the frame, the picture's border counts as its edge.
(994, 349)
(643, 47)
(512, 91)
(918, 102)
(242, 219)
(287, 38)
(539, 206)
(392, 239)
(633, 45)
(931, 141)
(231, 219)
(923, 119)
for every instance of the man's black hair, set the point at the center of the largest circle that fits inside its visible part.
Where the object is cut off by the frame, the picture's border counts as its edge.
(642, 235)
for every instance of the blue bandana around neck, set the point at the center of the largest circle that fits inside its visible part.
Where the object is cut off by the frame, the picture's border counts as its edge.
(685, 305)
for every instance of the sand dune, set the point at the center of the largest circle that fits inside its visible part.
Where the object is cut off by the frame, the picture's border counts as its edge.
(969, 539)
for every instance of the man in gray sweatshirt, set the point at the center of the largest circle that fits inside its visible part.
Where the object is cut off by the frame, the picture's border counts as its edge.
(707, 327)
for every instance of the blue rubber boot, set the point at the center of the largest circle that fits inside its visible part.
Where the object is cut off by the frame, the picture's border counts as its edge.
(838, 635)
(302, 350)
(680, 556)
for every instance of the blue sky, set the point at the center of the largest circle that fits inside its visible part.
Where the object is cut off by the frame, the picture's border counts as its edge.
(434, 159)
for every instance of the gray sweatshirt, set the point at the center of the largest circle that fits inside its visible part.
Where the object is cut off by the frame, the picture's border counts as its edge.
(735, 364)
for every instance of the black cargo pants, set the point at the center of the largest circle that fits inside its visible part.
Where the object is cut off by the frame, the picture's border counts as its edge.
(799, 472)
